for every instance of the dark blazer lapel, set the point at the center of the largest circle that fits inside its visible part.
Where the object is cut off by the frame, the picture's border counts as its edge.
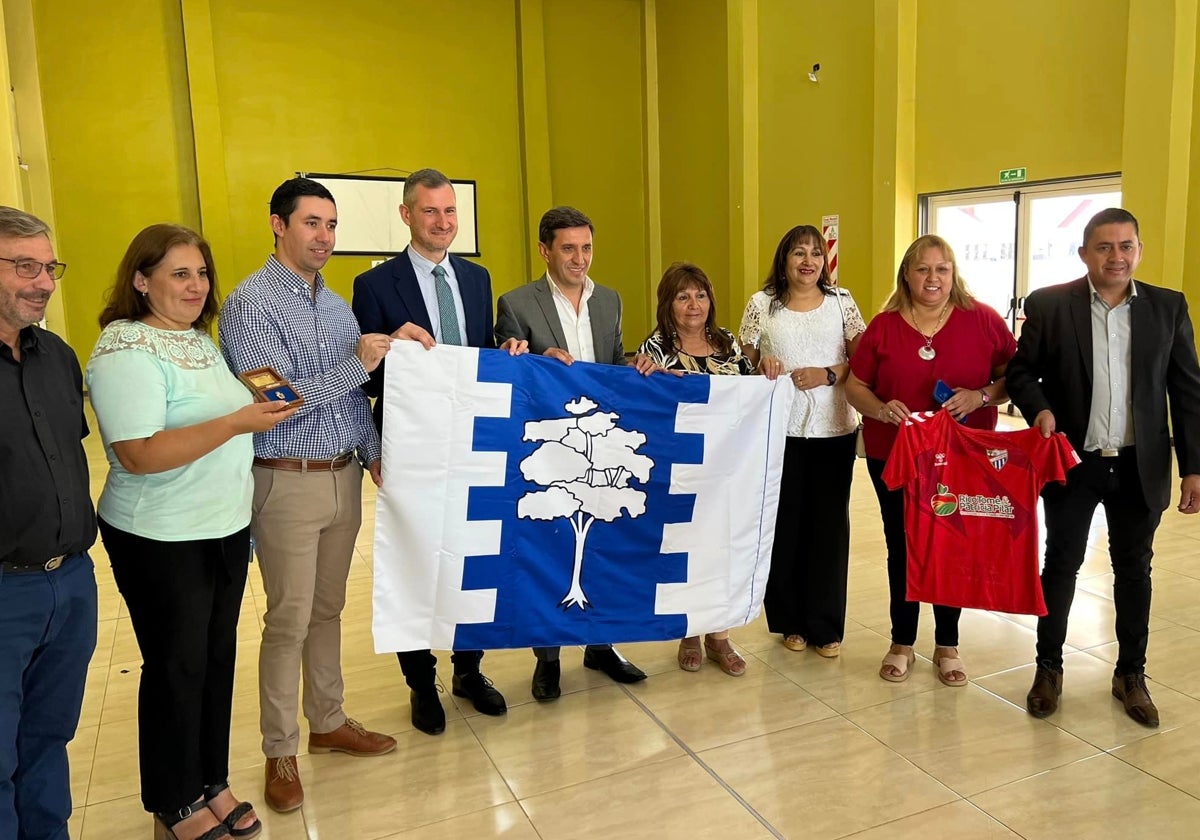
(410, 291)
(473, 298)
(545, 299)
(1080, 305)
(603, 323)
(1144, 325)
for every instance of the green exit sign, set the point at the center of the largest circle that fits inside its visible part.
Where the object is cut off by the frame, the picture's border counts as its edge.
(1012, 176)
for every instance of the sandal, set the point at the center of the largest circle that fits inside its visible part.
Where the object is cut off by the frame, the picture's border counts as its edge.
(690, 656)
(899, 661)
(165, 824)
(235, 816)
(794, 642)
(727, 659)
(948, 664)
(830, 650)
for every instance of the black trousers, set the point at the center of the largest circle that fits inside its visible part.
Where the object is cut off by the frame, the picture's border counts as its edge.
(905, 613)
(806, 590)
(1114, 483)
(183, 600)
(420, 666)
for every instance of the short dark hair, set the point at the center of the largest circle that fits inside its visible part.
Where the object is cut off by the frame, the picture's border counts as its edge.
(145, 252)
(1110, 216)
(430, 179)
(287, 194)
(561, 218)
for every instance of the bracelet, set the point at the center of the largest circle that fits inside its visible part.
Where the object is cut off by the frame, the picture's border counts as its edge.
(986, 398)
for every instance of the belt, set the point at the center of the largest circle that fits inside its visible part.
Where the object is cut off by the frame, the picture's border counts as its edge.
(305, 464)
(23, 568)
(1108, 453)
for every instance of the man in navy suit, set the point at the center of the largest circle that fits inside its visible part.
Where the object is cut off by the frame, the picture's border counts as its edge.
(424, 294)
(1100, 359)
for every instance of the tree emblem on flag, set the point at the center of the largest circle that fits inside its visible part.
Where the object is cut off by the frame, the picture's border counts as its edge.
(585, 462)
(944, 502)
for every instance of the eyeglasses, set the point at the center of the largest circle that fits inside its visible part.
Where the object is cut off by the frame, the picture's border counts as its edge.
(32, 269)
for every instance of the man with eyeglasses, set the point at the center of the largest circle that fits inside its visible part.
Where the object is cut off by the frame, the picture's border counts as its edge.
(47, 525)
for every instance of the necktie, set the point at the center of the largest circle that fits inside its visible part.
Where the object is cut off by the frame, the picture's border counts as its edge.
(447, 316)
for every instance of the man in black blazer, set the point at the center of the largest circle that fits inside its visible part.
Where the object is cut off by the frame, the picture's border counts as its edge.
(427, 295)
(1100, 359)
(566, 316)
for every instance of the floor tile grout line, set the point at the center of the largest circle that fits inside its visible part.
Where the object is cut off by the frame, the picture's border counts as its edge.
(704, 765)
(500, 773)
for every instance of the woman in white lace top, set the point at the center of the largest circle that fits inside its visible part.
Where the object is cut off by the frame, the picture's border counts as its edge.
(803, 326)
(175, 519)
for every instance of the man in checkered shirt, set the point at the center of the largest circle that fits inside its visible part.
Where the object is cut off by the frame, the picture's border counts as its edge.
(307, 480)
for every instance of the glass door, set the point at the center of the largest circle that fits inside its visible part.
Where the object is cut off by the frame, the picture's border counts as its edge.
(1012, 240)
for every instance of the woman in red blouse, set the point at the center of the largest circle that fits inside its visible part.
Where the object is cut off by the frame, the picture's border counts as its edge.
(930, 329)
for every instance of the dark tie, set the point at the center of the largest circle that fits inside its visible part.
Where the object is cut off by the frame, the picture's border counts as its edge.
(447, 316)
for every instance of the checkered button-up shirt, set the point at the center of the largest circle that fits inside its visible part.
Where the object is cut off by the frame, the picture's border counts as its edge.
(309, 336)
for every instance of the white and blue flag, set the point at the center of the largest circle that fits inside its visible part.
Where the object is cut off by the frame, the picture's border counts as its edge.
(528, 503)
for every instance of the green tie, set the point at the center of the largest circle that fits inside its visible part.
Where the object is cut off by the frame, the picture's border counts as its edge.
(447, 317)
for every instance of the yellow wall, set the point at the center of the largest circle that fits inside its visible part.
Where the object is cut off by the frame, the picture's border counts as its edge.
(1021, 83)
(119, 136)
(694, 144)
(594, 84)
(304, 87)
(816, 139)
(687, 129)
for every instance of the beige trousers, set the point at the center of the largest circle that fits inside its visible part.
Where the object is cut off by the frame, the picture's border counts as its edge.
(304, 527)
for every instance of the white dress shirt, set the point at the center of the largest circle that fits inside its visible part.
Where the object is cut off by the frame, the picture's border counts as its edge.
(576, 326)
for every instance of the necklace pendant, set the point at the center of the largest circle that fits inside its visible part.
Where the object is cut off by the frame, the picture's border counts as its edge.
(927, 353)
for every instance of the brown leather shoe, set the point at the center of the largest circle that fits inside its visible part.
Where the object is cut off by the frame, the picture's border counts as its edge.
(283, 792)
(351, 738)
(1042, 699)
(1131, 690)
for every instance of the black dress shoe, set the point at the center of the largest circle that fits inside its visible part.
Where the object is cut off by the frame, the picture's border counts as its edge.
(427, 712)
(1042, 699)
(610, 662)
(1131, 690)
(478, 689)
(545, 681)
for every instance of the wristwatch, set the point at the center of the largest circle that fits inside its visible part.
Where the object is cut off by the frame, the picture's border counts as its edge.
(986, 398)
(830, 376)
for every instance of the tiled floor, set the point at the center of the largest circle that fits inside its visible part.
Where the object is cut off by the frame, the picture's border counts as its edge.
(801, 747)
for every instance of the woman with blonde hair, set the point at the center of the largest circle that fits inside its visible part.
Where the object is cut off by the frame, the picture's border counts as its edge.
(930, 330)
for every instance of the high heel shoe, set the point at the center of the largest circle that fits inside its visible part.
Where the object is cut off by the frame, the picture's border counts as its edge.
(164, 824)
(239, 812)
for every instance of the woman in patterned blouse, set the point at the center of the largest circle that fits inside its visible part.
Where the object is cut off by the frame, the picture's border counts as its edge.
(175, 518)
(803, 326)
(688, 339)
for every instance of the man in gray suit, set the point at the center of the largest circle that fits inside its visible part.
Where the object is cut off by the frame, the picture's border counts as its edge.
(566, 316)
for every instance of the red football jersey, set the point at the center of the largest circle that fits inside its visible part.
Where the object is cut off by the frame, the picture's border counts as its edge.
(970, 510)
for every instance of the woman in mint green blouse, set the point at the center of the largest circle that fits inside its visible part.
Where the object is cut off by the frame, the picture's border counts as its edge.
(175, 517)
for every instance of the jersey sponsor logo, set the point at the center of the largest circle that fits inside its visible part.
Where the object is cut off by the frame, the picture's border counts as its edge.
(998, 457)
(943, 502)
